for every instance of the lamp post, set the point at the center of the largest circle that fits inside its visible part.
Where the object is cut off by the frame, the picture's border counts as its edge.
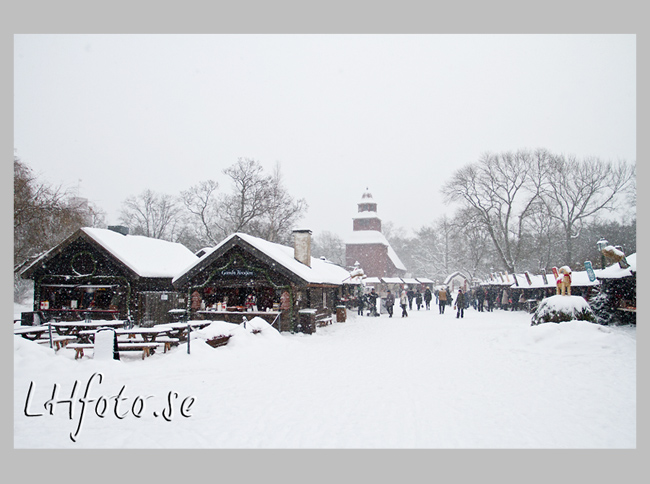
(602, 243)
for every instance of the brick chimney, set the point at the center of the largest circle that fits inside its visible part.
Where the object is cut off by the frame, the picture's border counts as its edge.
(302, 246)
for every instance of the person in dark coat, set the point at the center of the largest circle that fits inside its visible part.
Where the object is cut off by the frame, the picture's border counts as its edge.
(460, 304)
(372, 302)
(410, 294)
(418, 299)
(390, 302)
(427, 298)
(491, 295)
(360, 299)
(480, 294)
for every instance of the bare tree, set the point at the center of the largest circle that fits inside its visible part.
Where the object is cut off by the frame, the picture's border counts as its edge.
(471, 243)
(281, 211)
(329, 245)
(501, 190)
(247, 202)
(151, 214)
(577, 190)
(202, 202)
(44, 216)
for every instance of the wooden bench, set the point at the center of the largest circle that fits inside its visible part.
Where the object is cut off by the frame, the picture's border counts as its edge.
(58, 341)
(79, 348)
(146, 348)
(168, 342)
(323, 317)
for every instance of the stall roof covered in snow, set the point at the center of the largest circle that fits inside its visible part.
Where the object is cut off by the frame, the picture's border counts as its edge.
(145, 256)
(364, 237)
(616, 272)
(392, 280)
(320, 272)
(424, 280)
(578, 278)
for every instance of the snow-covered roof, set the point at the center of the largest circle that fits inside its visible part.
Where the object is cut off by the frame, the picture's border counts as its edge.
(366, 237)
(366, 197)
(615, 271)
(456, 274)
(372, 280)
(320, 272)
(366, 214)
(410, 280)
(392, 280)
(424, 280)
(363, 237)
(145, 256)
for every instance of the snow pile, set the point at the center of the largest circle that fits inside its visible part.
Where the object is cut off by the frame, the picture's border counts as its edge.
(556, 309)
(257, 328)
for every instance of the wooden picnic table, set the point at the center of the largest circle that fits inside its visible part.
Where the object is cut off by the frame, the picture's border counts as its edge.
(147, 345)
(179, 330)
(147, 334)
(31, 332)
(67, 328)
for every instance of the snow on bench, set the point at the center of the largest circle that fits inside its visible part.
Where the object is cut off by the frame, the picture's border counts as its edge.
(58, 341)
(168, 341)
(146, 348)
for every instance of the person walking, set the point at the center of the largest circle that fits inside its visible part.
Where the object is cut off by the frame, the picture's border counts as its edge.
(403, 301)
(372, 303)
(418, 299)
(360, 304)
(521, 302)
(410, 294)
(390, 302)
(427, 298)
(460, 304)
(442, 300)
(505, 300)
(490, 299)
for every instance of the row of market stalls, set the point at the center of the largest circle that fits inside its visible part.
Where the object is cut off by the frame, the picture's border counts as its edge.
(99, 273)
(615, 283)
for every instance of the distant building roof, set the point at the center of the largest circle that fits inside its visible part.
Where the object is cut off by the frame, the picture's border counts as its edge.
(365, 237)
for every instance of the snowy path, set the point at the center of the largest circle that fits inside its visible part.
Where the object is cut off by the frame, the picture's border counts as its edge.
(489, 380)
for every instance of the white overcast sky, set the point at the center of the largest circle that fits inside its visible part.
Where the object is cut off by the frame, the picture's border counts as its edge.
(118, 114)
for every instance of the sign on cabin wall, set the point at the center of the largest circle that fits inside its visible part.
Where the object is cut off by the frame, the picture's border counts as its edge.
(237, 273)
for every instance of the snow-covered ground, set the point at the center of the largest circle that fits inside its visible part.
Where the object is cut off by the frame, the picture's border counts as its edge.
(487, 381)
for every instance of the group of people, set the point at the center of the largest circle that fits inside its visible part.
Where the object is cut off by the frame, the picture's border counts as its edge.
(406, 298)
(482, 299)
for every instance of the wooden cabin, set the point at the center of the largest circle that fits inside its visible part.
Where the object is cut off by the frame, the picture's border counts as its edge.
(249, 276)
(107, 273)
